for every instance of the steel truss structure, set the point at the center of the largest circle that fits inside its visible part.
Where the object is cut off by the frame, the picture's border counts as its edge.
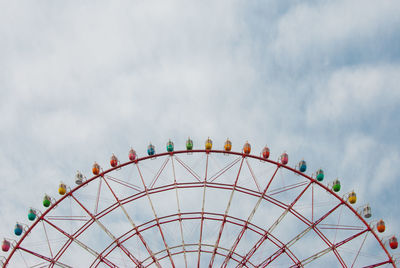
(204, 208)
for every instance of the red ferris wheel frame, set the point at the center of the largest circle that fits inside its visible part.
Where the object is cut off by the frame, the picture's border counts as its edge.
(157, 222)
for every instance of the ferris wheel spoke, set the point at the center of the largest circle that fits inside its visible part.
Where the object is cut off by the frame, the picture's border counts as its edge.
(22, 257)
(329, 213)
(285, 247)
(299, 236)
(253, 175)
(222, 249)
(189, 216)
(314, 257)
(98, 197)
(224, 169)
(47, 239)
(189, 169)
(249, 219)
(281, 250)
(179, 211)
(275, 224)
(225, 215)
(156, 217)
(130, 256)
(153, 182)
(379, 264)
(271, 258)
(287, 188)
(291, 210)
(280, 218)
(202, 212)
(124, 183)
(324, 238)
(328, 242)
(359, 250)
(73, 238)
(50, 260)
(333, 247)
(132, 223)
(340, 227)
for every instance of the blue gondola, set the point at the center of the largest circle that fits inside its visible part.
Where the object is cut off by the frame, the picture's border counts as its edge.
(151, 149)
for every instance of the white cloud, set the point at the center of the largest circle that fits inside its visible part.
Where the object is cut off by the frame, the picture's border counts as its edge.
(355, 92)
(322, 33)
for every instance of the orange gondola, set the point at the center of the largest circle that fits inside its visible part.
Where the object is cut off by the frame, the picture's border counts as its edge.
(380, 226)
(247, 148)
(228, 145)
(96, 169)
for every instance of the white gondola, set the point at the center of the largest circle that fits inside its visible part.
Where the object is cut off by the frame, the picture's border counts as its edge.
(78, 178)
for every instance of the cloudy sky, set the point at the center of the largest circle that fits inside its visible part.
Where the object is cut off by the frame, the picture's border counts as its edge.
(80, 81)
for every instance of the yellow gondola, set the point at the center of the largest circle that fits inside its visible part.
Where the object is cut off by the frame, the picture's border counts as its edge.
(62, 189)
(352, 198)
(208, 144)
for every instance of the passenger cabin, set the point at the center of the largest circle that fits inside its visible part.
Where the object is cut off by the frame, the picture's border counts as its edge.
(18, 229)
(132, 154)
(380, 226)
(284, 158)
(151, 150)
(352, 198)
(228, 145)
(208, 144)
(302, 166)
(336, 185)
(31, 215)
(78, 178)
(320, 175)
(189, 144)
(113, 161)
(265, 152)
(96, 169)
(367, 212)
(6, 245)
(46, 201)
(62, 189)
(393, 242)
(247, 148)
(170, 146)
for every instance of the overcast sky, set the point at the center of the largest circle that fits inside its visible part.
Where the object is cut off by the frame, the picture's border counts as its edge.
(80, 81)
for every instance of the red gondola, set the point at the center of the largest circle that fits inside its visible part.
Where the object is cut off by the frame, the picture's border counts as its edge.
(114, 161)
(132, 154)
(265, 152)
(6, 245)
(284, 158)
(393, 242)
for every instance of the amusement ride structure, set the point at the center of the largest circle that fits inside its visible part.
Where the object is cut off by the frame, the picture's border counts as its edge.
(201, 208)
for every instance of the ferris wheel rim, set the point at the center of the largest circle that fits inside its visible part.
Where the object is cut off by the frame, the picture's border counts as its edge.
(207, 151)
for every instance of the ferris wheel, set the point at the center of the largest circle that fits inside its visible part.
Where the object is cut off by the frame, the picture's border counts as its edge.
(201, 208)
